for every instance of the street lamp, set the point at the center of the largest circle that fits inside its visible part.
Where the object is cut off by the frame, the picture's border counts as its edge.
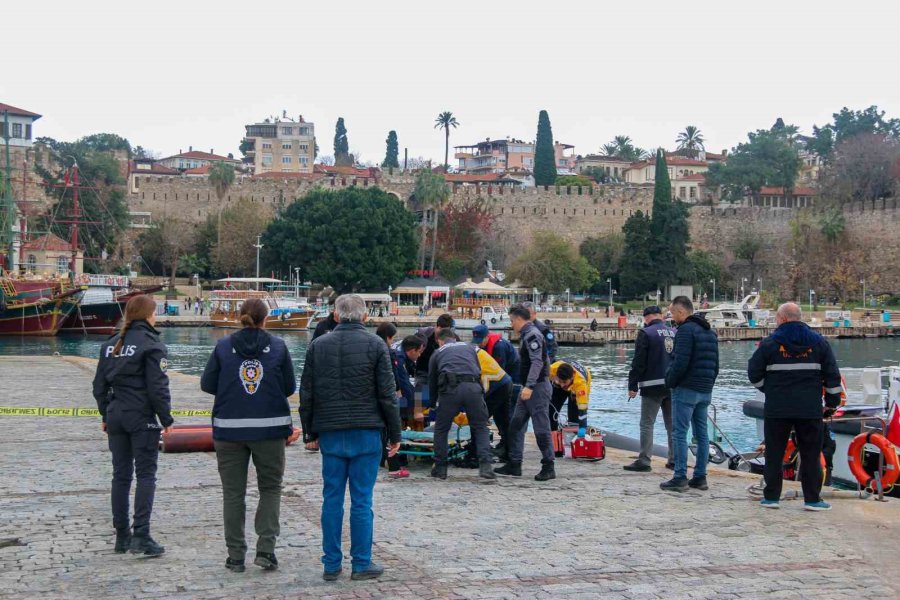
(760, 285)
(743, 281)
(568, 298)
(713, 281)
(257, 245)
(863, 281)
(811, 294)
(297, 282)
(657, 296)
(609, 281)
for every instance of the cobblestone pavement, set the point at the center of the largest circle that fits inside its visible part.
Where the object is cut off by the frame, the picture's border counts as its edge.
(596, 531)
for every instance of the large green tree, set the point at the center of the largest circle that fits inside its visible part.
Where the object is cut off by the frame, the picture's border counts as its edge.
(605, 254)
(849, 123)
(637, 259)
(392, 152)
(354, 239)
(544, 155)
(669, 228)
(446, 121)
(552, 264)
(342, 156)
(768, 158)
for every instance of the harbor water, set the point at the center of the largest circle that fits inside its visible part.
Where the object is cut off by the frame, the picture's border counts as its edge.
(610, 409)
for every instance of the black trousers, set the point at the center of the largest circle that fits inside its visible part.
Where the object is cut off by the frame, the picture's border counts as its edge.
(467, 397)
(498, 407)
(559, 397)
(133, 452)
(809, 445)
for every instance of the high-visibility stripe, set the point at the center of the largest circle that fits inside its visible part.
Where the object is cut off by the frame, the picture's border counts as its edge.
(834, 390)
(651, 382)
(759, 384)
(239, 423)
(795, 367)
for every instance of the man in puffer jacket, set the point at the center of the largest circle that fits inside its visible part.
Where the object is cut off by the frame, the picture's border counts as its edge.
(691, 376)
(793, 367)
(347, 399)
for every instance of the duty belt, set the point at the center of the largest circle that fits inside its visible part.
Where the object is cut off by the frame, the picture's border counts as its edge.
(452, 379)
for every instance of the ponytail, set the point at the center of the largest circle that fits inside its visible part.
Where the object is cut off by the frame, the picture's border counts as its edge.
(253, 313)
(139, 308)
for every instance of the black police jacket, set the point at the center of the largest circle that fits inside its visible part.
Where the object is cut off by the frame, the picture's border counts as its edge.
(795, 367)
(534, 363)
(131, 387)
(652, 356)
(251, 375)
(456, 360)
(551, 346)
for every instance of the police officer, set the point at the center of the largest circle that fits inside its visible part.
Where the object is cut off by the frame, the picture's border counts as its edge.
(652, 355)
(132, 392)
(534, 400)
(454, 378)
(551, 346)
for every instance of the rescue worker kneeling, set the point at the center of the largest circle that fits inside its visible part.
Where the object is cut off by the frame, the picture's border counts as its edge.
(454, 378)
(571, 382)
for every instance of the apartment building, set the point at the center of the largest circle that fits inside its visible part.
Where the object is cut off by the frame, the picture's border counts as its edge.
(280, 146)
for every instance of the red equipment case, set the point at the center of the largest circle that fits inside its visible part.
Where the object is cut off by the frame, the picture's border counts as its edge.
(589, 448)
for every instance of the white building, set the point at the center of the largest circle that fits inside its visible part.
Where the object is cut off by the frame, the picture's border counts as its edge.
(20, 125)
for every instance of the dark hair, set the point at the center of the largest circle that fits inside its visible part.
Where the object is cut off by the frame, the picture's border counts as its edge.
(565, 372)
(446, 335)
(517, 310)
(139, 308)
(445, 320)
(411, 342)
(254, 312)
(684, 302)
(386, 330)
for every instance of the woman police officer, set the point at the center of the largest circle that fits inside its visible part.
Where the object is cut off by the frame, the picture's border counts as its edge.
(132, 392)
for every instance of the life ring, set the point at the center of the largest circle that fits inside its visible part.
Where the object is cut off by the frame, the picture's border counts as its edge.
(483, 322)
(789, 461)
(493, 320)
(888, 451)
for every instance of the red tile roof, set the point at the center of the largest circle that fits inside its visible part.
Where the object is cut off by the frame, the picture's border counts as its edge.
(672, 161)
(371, 172)
(155, 169)
(779, 191)
(478, 178)
(18, 111)
(278, 175)
(198, 170)
(48, 241)
(201, 156)
(694, 177)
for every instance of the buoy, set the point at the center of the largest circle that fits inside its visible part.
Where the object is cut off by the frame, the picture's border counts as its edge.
(855, 459)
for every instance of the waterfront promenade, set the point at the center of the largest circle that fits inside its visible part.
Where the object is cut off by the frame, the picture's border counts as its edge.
(595, 532)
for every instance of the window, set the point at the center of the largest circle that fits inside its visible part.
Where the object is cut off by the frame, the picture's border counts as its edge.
(304, 160)
(304, 131)
(287, 131)
(32, 263)
(28, 131)
(681, 192)
(693, 192)
(62, 265)
(304, 147)
(267, 159)
(285, 145)
(16, 130)
(267, 146)
(286, 160)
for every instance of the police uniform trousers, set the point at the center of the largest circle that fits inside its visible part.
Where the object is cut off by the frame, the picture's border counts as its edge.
(468, 397)
(134, 451)
(557, 400)
(536, 408)
(497, 402)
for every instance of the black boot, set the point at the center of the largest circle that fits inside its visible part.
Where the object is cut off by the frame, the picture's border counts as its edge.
(235, 565)
(439, 471)
(510, 469)
(676, 484)
(123, 540)
(547, 473)
(486, 471)
(145, 546)
(266, 560)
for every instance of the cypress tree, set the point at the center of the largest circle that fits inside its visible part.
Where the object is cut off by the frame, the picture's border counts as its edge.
(637, 259)
(544, 157)
(669, 229)
(392, 152)
(662, 195)
(341, 145)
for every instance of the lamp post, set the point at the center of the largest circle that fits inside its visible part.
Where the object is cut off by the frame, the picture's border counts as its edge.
(297, 282)
(863, 282)
(743, 281)
(657, 296)
(760, 285)
(713, 281)
(811, 294)
(257, 245)
(609, 281)
(568, 296)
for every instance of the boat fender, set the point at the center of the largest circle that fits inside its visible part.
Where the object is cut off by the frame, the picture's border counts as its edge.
(493, 320)
(888, 451)
(285, 316)
(483, 322)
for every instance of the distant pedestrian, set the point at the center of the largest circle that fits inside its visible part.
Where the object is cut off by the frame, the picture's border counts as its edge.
(251, 375)
(347, 400)
(197, 306)
(165, 307)
(533, 402)
(652, 357)
(550, 344)
(131, 388)
(326, 325)
(691, 377)
(794, 367)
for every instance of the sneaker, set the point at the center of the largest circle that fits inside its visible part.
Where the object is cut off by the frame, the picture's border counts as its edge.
(510, 469)
(266, 560)
(439, 471)
(769, 503)
(373, 571)
(237, 566)
(331, 575)
(698, 483)
(123, 541)
(676, 484)
(638, 466)
(485, 471)
(817, 506)
(401, 474)
(145, 546)
(547, 473)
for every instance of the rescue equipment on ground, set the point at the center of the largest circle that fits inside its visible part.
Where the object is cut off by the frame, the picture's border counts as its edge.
(855, 458)
(198, 438)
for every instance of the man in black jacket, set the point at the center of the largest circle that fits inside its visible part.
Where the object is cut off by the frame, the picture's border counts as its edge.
(652, 355)
(551, 346)
(691, 376)
(429, 336)
(347, 399)
(326, 325)
(792, 367)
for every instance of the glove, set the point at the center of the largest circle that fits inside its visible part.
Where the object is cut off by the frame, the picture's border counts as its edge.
(582, 432)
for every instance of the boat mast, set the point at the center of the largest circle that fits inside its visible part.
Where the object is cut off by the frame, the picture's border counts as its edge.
(76, 213)
(7, 235)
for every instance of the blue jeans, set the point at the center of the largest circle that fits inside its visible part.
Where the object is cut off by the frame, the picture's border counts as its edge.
(350, 455)
(689, 408)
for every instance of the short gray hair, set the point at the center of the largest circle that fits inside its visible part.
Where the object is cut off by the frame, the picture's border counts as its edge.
(529, 306)
(790, 311)
(350, 307)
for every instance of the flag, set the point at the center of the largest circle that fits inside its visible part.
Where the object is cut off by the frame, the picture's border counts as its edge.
(893, 427)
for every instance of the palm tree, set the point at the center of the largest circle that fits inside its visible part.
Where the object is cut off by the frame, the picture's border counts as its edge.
(445, 121)
(609, 149)
(221, 176)
(832, 225)
(431, 192)
(690, 141)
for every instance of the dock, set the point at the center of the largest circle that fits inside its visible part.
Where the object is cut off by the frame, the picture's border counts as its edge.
(595, 532)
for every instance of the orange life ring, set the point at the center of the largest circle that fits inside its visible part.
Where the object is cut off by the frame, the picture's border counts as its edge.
(888, 451)
(790, 458)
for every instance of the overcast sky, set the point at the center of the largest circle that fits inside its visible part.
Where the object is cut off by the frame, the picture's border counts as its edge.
(168, 75)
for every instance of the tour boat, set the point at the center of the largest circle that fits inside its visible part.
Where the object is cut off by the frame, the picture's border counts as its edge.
(225, 306)
(101, 304)
(34, 306)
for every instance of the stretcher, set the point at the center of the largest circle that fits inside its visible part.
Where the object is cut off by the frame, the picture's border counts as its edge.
(421, 443)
